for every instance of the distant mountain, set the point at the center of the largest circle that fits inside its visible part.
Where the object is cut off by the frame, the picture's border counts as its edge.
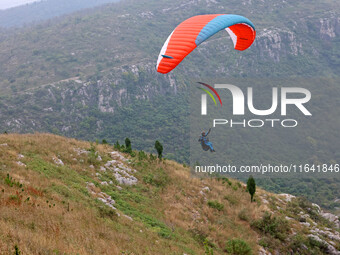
(46, 9)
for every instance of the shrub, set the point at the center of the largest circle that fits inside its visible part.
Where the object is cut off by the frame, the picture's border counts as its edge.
(117, 145)
(16, 250)
(152, 157)
(158, 179)
(208, 249)
(216, 205)
(235, 187)
(265, 242)
(107, 212)
(10, 182)
(92, 156)
(315, 243)
(298, 241)
(238, 247)
(231, 199)
(277, 227)
(142, 155)
(227, 181)
(243, 215)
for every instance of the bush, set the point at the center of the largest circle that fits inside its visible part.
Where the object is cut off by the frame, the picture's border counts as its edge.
(117, 145)
(243, 215)
(10, 182)
(158, 179)
(277, 227)
(231, 199)
(92, 156)
(227, 181)
(152, 157)
(16, 250)
(107, 212)
(142, 155)
(208, 250)
(235, 187)
(216, 205)
(238, 247)
(297, 243)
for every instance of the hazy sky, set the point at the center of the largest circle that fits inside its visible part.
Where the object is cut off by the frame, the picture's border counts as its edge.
(5, 4)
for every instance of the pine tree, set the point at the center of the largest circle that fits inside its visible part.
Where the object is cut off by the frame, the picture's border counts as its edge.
(128, 145)
(251, 187)
(159, 149)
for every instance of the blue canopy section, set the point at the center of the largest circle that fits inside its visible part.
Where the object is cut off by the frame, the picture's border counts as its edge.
(219, 23)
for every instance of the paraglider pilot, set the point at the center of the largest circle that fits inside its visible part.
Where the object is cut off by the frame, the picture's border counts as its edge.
(206, 145)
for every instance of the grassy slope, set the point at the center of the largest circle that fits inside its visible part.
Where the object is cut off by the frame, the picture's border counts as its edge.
(46, 208)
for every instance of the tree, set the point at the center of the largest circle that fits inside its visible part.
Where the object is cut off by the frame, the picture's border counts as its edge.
(117, 145)
(128, 145)
(251, 187)
(159, 149)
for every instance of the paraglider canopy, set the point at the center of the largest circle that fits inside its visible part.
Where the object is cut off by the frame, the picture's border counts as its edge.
(195, 30)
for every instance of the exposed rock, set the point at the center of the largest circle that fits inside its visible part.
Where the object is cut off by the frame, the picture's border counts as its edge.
(330, 248)
(265, 201)
(332, 218)
(80, 151)
(206, 189)
(103, 169)
(20, 156)
(91, 187)
(106, 199)
(104, 183)
(110, 163)
(317, 207)
(117, 155)
(122, 173)
(327, 233)
(58, 161)
(287, 197)
(128, 217)
(19, 163)
(128, 180)
(305, 224)
(263, 251)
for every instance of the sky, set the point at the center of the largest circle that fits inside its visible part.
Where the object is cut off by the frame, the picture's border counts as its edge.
(5, 4)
